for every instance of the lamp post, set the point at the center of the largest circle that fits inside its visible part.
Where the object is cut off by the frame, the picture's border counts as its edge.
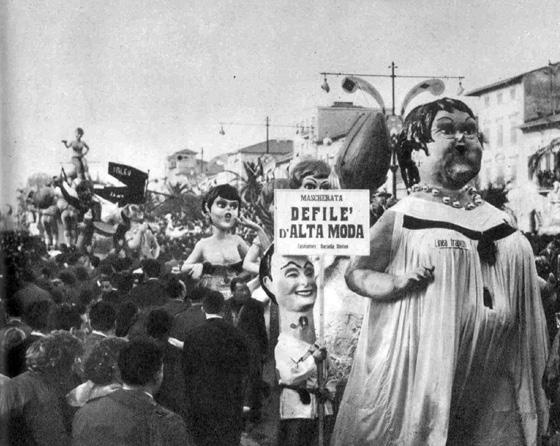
(354, 81)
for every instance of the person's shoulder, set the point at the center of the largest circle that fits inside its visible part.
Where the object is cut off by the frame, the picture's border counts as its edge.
(171, 425)
(163, 413)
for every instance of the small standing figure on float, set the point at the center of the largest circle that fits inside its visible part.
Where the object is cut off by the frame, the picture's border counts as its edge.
(453, 345)
(289, 281)
(79, 151)
(219, 258)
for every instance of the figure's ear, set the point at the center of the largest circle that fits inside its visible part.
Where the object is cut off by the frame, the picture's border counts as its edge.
(267, 282)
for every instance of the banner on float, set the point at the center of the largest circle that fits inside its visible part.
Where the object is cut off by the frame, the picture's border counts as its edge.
(311, 222)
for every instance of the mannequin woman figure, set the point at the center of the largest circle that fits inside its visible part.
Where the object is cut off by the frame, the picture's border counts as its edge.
(218, 258)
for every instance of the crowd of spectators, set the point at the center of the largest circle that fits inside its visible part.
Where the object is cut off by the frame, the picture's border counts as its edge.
(105, 350)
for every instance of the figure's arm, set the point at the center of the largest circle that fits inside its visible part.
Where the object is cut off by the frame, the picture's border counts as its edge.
(294, 371)
(193, 264)
(365, 275)
(242, 248)
(66, 143)
(251, 262)
(86, 147)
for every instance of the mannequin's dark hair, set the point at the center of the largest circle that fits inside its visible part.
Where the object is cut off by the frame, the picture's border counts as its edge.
(223, 190)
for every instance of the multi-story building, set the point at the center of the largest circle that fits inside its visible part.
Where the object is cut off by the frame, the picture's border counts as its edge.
(518, 116)
(183, 166)
(276, 149)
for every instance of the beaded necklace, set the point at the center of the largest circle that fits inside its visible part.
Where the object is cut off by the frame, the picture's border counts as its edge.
(476, 199)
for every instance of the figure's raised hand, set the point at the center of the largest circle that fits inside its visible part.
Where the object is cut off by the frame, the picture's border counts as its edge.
(244, 221)
(415, 280)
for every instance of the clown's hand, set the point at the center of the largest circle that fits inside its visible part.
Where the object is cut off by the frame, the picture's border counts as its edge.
(193, 269)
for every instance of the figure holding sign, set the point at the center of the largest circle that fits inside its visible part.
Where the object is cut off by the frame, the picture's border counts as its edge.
(289, 281)
(453, 345)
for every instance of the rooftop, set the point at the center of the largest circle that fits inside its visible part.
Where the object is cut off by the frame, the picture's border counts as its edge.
(275, 146)
(182, 152)
(505, 82)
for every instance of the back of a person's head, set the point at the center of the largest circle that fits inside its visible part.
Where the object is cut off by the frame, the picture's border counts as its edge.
(102, 316)
(198, 293)
(174, 288)
(123, 281)
(13, 307)
(64, 317)
(101, 364)
(126, 316)
(112, 297)
(54, 353)
(82, 273)
(159, 323)
(140, 361)
(86, 297)
(37, 314)
(213, 302)
(67, 277)
(151, 267)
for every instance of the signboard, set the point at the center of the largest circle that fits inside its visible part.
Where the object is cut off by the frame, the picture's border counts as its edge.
(311, 222)
(135, 181)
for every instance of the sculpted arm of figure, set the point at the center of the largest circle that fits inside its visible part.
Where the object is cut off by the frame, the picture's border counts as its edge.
(251, 262)
(193, 264)
(136, 240)
(86, 147)
(365, 275)
(292, 373)
(242, 248)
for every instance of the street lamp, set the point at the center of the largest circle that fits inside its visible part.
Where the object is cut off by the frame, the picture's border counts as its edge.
(433, 84)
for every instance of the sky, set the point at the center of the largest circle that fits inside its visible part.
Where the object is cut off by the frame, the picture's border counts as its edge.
(147, 78)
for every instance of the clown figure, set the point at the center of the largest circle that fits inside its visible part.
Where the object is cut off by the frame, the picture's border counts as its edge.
(289, 281)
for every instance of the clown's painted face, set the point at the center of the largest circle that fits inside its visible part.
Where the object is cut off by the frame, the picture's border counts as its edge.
(224, 213)
(455, 152)
(312, 182)
(293, 282)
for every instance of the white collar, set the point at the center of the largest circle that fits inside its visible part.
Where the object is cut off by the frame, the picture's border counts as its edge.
(100, 333)
(126, 387)
(213, 316)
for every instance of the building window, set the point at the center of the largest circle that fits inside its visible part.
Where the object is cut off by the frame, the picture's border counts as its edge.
(512, 93)
(486, 135)
(500, 135)
(500, 98)
(487, 100)
(513, 133)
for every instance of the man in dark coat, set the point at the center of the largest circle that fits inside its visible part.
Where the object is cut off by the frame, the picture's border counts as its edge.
(216, 364)
(247, 314)
(130, 416)
(33, 408)
(152, 292)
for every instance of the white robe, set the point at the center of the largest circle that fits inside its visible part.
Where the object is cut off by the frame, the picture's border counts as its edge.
(439, 366)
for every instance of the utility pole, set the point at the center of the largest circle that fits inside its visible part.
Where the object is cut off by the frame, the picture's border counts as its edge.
(393, 76)
(267, 123)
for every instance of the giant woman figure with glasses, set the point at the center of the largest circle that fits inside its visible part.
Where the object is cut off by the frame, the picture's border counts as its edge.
(453, 345)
